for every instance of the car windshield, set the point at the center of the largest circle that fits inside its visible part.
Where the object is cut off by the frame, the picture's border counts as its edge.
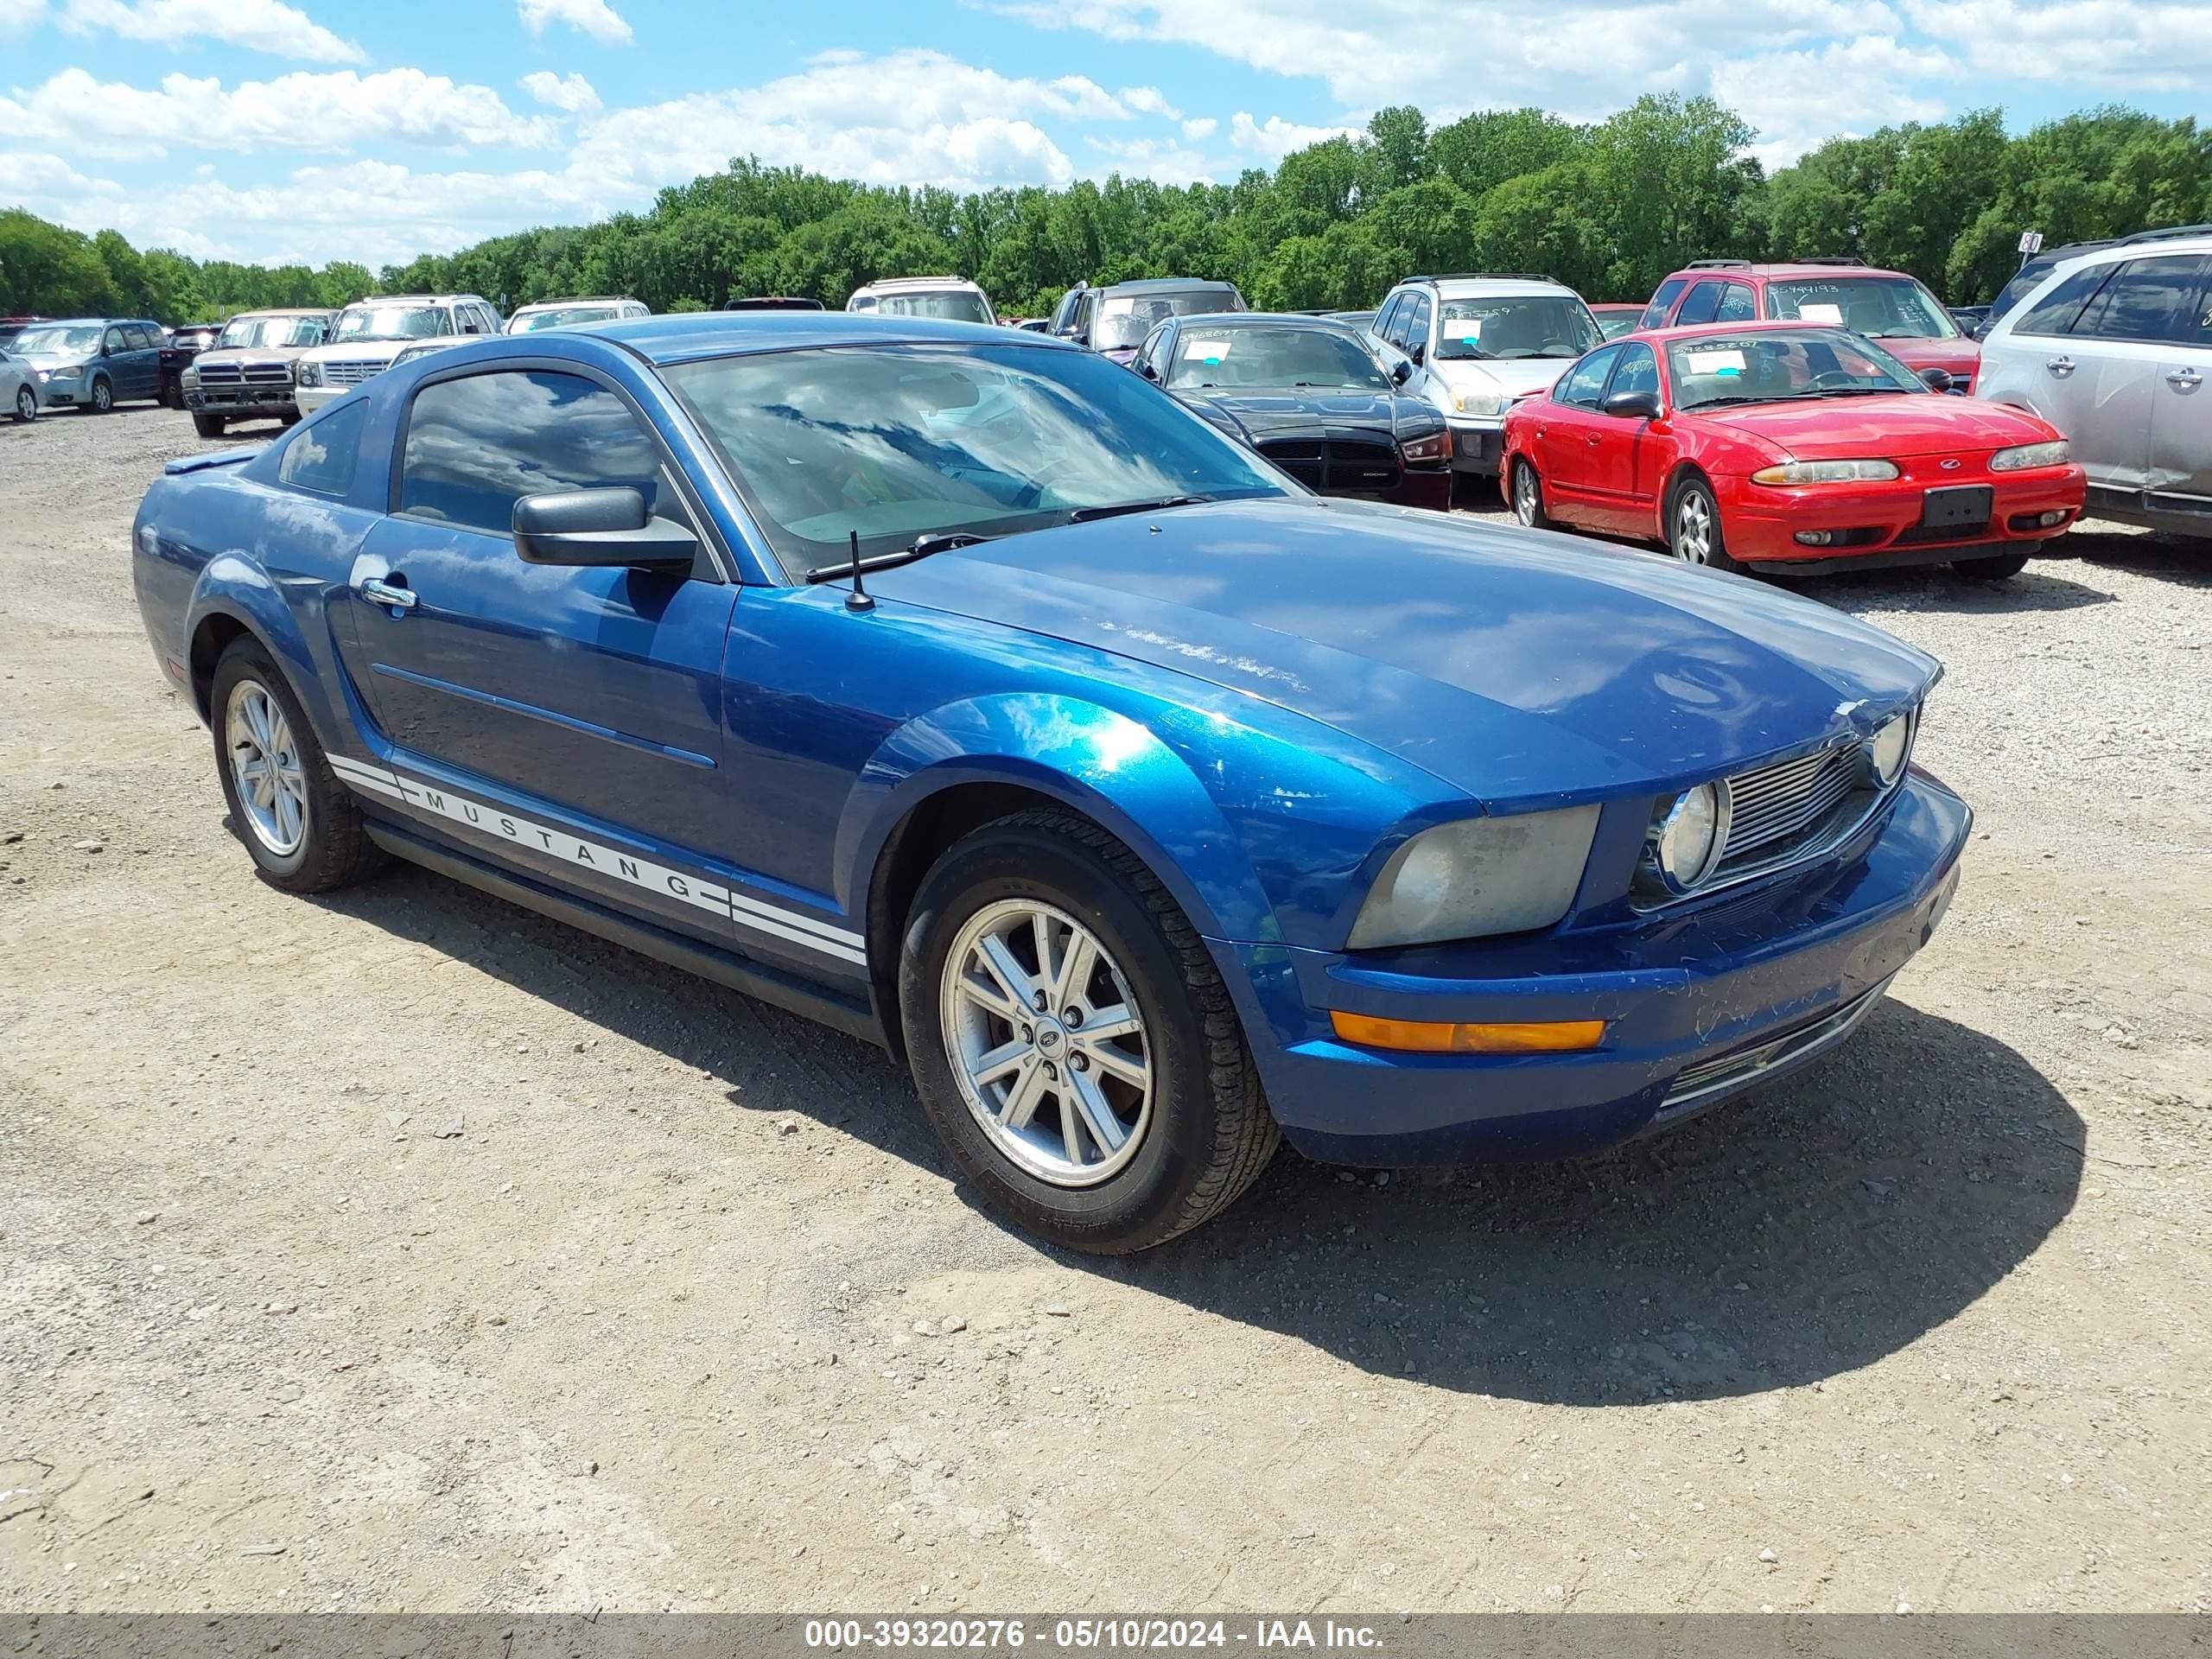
(1613, 324)
(272, 331)
(945, 305)
(392, 322)
(561, 316)
(1779, 365)
(898, 443)
(1544, 325)
(79, 341)
(1882, 307)
(1125, 319)
(1255, 354)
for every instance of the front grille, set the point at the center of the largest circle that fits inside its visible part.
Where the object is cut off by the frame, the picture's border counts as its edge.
(226, 375)
(1337, 466)
(1772, 806)
(352, 374)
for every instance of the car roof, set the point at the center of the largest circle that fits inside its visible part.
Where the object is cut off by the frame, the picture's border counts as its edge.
(882, 283)
(411, 299)
(1789, 271)
(1164, 284)
(689, 336)
(1695, 330)
(87, 323)
(268, 311)
(580, 299)
(1325, 323)
(2132, 247)
(1473, 284)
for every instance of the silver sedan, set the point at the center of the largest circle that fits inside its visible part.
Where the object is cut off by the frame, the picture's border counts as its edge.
(19, 393)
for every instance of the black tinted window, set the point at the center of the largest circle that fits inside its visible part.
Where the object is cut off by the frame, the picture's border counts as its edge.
(2054, 313)
(1587, 378)
(322, 454)
(476, 445)
(2148, 300)
(1638, 369)
(1703, 303)
(1656, 313)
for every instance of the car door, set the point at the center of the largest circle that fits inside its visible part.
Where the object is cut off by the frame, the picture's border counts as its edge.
(539, 712)
(2180, 474)
(1568, 433)
(1624, 455)
(2106, 369)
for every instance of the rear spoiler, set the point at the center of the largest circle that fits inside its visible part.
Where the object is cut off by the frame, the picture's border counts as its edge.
(184, 464)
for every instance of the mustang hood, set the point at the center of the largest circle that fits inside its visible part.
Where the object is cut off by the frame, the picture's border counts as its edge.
(1910, 424)
(1526, 669)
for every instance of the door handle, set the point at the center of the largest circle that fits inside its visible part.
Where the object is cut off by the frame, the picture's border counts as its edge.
(1591, 439)
(377, 591)
(2184, 378)
(2061, 367)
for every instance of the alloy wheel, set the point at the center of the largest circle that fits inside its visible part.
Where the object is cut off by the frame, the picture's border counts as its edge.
(272, 786)
(1526, 500)
(1694, 528)
(1046, 1043)
(26, 404)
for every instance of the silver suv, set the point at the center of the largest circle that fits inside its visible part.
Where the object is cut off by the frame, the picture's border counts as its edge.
(2114, 349)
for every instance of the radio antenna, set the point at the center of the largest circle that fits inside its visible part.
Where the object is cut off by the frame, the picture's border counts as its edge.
(858, 599)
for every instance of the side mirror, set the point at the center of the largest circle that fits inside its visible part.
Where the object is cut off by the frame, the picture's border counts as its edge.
(1633, 406)
(1147, 371)
(1936, 379)
(601, 529)
(1080, 337)
(1418, 351)
(1401, 372)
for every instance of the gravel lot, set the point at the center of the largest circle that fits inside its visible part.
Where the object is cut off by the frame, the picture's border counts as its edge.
(403, 1250)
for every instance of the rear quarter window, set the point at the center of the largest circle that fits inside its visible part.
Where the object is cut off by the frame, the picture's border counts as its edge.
(323, 455)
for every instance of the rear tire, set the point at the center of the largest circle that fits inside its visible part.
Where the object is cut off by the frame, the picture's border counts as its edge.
(1194, 1134)
(1693, 532)
(208, 426)
(1529, 495)
(1998, 566)
(301, 827)
(26, 405)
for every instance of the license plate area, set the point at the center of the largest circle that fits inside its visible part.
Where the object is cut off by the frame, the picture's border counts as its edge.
(1956, 507)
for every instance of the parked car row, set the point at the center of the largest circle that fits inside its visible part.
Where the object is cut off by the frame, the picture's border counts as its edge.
(1002, 709)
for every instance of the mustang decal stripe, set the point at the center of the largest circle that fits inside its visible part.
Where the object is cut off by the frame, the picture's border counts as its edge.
(739, 908)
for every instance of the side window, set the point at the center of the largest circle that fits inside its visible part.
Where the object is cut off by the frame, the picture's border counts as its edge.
(1737, 305)
(2149, 300)
(1587, 379)
(322, 454)
(1638, 371)
(477, 445)
(1384, 319)
(470, 322)
(113, 341)
(1416, 314)
(2055, 312)
(1703, 302)
(1654, 313)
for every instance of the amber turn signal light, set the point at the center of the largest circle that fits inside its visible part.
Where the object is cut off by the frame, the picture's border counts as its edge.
(1432, 1036)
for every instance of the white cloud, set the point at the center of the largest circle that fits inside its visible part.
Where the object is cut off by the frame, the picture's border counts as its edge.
(570, 92)
(303, 111)
(1795, 98)
(16, 16)
(2126, 44)
(1277, 137)
(593, 18)
(258, 25)
(1158, 159)
(1199, 129)
(1150, 100)
(1086, 99)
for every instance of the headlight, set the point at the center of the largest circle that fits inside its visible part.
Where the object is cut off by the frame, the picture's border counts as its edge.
(1478, 876)
(1479, 402)
(191, 376)
(2022, 456)
(69, 372)
(1826, 472)
(310, 374)
(1887, 749)
(1684, 839)
(1436, 447)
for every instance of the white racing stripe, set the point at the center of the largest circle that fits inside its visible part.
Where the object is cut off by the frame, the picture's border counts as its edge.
(742, 909)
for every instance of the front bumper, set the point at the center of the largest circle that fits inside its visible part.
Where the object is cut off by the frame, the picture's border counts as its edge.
(61, 394)
(240, 400)
(1762, 524)
(1701, 1004)
(310, 398)
(1475, 445)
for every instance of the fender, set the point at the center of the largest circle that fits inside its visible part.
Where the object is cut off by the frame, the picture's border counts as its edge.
(1095, 760)
(233, 587)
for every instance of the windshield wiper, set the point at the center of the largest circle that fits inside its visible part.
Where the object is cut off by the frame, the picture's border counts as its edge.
(1852, 391)
(920, 548)
(1115, 509)
(1722, 403)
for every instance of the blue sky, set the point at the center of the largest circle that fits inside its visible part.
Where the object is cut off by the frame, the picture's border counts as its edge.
(264, 129)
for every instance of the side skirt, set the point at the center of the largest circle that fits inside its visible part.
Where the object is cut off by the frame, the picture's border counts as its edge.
(852, 1015)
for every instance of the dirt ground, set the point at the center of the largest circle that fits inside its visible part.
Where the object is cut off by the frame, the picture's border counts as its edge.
(406, 1251)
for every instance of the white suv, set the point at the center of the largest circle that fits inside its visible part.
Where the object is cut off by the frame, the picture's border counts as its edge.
(370, 333)
(1474, 344)
(2114, 349)
(950, 299)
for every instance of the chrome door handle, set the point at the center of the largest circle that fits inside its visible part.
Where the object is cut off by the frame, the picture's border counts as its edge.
(2184, 378)
(2061, 367)
(377, 591)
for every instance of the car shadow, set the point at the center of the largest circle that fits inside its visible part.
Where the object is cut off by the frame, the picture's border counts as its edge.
(2042, 587)
(1806, 1231)
(2185, 561)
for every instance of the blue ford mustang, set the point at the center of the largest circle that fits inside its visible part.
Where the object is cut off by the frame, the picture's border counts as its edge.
(1148, 805)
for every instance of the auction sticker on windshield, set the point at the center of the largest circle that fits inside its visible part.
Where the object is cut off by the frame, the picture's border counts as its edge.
(1721, 362)
(1201, 348)
(1832, 314)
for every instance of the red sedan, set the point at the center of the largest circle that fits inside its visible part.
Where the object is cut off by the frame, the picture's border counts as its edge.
(1793, 449)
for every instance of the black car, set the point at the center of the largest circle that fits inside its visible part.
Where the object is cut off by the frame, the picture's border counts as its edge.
(1306, 394)
(1113, 321)
(193, 338)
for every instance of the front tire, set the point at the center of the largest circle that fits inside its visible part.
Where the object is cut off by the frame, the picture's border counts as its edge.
(1529, 495)
(206, 425)
(26, 405)
(103, 396)
(1073, 1046)
(1997, 567)
(1694, 533)
(301, 827)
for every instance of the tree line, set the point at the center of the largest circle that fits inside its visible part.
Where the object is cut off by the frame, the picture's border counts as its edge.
(1608, 207)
